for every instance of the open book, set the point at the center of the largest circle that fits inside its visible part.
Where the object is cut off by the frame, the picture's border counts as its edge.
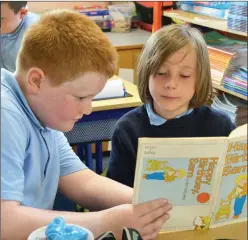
(205, 179)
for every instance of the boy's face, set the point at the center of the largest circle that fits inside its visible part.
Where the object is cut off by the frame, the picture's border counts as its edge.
(60, 107)
(173, 86)
(9, 19)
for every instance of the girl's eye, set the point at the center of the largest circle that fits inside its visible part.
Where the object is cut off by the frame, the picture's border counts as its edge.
(162, 73)
(184, 76)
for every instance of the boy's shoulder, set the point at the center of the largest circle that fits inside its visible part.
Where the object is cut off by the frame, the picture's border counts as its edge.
(11, 101)
(32, 18)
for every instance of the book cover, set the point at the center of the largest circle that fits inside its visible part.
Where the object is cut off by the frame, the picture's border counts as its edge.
(196, 175)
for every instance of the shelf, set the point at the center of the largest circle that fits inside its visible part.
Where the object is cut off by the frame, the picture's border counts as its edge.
(202, 20)
(229, 91)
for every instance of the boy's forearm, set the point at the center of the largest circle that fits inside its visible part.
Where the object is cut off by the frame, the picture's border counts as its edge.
(19, 222)
(93, 191)
(103, 193)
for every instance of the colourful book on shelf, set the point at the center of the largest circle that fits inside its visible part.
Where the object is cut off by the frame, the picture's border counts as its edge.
(203, 10)
(235, 88)
(219, 61)
(211, 4)
(205, 179)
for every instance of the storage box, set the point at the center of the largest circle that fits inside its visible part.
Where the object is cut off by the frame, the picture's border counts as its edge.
(122, 17)
(208, 11)
(210, 4)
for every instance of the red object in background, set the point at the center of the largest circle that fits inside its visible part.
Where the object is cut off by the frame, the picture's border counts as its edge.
(82, 7)
(145, 26)
(157, 16)
(151, 4)
(151, 13)
(203, 197)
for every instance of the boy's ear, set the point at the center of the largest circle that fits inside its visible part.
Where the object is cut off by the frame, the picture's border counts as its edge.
(35, 77)
(23, 12)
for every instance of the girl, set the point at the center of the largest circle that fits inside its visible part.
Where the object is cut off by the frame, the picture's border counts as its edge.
(174, 84)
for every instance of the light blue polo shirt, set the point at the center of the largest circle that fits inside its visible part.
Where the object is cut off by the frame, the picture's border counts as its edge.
(32, 157)
(11, 42)
(156, 120)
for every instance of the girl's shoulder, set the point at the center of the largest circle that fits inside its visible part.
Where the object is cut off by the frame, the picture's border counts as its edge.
(215, 121)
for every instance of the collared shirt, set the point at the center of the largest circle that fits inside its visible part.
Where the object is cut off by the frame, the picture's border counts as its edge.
(156, 120)
(33, 157)
(11, 42)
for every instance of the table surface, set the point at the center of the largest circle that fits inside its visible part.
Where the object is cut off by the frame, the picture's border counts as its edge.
(237, 231)
(118, 103)
(131, 40)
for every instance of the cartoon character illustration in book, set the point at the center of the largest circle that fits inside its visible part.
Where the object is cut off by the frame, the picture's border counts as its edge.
(224, 210)
(168, 175)
(239, 193)
(201, 223)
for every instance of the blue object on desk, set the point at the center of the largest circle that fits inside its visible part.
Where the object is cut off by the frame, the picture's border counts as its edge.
(58, 230)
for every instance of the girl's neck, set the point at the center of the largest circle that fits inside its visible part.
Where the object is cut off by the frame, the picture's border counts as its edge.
(169, 114)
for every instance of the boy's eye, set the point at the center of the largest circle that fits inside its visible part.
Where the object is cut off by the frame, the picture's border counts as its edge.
(81, 98)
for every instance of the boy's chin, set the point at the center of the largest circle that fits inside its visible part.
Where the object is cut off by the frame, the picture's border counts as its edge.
(67, 128)
(63, 127)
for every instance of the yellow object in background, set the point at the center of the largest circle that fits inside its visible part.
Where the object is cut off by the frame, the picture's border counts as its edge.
(178, 21)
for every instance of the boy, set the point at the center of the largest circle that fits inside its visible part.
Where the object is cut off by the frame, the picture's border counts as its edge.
(64, 61)
(15, 19)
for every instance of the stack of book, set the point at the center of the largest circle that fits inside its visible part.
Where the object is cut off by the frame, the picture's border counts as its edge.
(237, 81)
(218, 9)
(237, 17)
(234, 76)
(221, 103)
(219, 61)
(232, 106)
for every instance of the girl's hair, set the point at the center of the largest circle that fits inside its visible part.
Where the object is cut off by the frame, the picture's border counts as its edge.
(161, 45)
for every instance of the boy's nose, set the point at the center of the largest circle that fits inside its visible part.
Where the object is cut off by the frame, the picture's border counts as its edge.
(88, 109)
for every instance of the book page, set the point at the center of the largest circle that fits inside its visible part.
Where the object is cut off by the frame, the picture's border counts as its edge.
(231, 204)
(183, 170)
(239, 132)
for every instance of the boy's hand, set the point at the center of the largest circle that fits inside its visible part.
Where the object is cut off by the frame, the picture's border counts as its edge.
(147, 218)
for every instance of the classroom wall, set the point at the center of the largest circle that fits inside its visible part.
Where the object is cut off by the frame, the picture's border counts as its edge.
(44, 6)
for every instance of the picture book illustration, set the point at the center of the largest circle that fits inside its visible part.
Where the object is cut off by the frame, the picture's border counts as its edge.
(191, 177)
(232, 199)
(202, 223)
(203, 178)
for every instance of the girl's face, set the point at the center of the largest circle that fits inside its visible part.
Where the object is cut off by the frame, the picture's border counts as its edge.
(173, 86)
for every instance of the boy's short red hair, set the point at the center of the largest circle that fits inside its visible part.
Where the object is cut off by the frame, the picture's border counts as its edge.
(66, 44)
